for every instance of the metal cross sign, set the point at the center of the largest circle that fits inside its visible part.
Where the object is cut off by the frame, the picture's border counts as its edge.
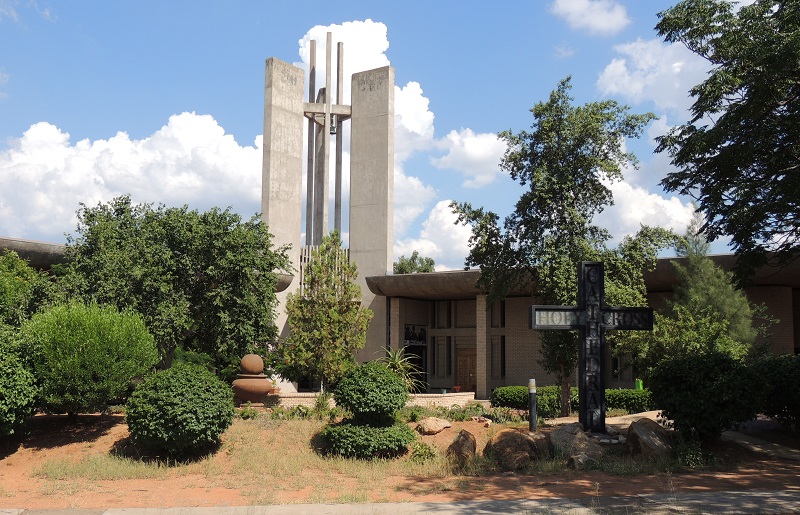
(592, 318)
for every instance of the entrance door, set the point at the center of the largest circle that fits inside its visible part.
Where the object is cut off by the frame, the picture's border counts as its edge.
(466, 369)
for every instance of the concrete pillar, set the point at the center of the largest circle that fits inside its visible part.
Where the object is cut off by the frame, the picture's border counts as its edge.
(372, 190)
(395, 332)
(310, 149)
(282, 165)
(482, 347)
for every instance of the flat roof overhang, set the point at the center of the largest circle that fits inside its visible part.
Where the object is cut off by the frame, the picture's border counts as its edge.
(39, 254)
(449, 285)
(461, 284)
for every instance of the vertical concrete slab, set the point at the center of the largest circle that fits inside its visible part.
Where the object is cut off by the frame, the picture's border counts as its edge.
(282, 165)
(372, 190)
(395, 333)
(482, 346)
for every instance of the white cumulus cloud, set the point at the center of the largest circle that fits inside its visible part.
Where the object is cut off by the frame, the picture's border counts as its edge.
(440, 238)
(602, 17)
(634, 206)
(190, 160)
(477, 156)
(650, 70)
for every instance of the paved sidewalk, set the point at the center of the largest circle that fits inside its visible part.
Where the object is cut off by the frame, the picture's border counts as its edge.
(709, 502)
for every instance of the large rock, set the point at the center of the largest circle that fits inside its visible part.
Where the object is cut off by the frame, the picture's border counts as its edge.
(570, 439)
(580, 462)
(432, 425)
(514, 450)
(463, 448)
(648, 438)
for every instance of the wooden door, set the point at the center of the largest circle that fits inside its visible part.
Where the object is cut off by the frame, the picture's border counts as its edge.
(466, 369)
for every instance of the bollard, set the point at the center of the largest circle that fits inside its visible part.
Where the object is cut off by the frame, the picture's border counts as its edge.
(532, 416)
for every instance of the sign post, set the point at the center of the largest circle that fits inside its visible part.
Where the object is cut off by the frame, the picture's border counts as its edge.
(592, 318)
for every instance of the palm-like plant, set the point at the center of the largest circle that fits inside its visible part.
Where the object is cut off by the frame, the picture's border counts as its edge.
(396, 361)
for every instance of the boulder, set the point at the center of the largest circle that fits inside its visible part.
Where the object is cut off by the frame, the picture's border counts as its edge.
(570, 439)
(648, 438)
(432, 425)
(580, 462)
(463, 448)
(514, 450)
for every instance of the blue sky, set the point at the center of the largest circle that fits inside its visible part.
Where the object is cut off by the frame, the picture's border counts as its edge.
(164, 101)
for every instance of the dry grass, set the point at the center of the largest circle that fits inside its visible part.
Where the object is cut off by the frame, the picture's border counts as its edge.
(253, 453)
(273, 461)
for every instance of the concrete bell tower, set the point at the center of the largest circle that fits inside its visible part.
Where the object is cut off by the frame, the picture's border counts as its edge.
(371, 121)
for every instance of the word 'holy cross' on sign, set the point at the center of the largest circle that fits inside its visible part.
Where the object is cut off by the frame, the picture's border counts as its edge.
(592, 318)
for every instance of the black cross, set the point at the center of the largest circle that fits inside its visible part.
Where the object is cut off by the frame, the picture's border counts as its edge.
(592, 318)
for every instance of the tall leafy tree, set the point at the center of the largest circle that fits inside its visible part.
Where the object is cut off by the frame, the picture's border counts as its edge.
(565, 164)
(202, 282)
(737, 154)
(326, 319)
(23, 290)
(413, 264)
(707, 313)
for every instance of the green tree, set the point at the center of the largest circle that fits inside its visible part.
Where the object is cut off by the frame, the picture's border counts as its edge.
(565, 164)
(707, 312)
(202, 282)
(23, 290)
(327, 322)
(737, 154)
(413, 264)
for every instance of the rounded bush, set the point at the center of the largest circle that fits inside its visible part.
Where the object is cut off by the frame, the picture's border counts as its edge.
(706, 394)
(182, 410)
(371, 392)
(365, 441)
(782, 400)
(85, 356)
(17, 393)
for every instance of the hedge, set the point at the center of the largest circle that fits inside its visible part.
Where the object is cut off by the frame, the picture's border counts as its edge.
(548, 399)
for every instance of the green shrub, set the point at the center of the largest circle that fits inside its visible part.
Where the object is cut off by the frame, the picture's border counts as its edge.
(353, 440)
(422, 452)
(182, 410)
(629, 400)
(515, 397)
(706, 394)
(782, 400)
(85, 356)
(17, 393)
(371, 392)
(548, 399)
(413, 413)
(503, 415)
(457, 413)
